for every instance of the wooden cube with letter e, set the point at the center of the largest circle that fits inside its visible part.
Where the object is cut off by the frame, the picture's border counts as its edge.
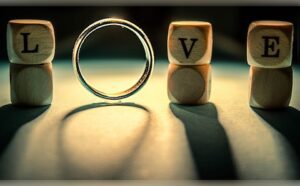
(269, 53)
(189, 54)
(31, 48)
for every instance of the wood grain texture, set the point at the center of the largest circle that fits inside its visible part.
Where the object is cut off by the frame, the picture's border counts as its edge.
(189, 84)
(270, 88)
(269, 44)
(31, 85)
(30, 41)
(190, 42)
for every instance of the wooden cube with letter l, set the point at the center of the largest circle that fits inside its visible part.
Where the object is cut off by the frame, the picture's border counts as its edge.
(30, 41)
(269, 53)
(31, 48)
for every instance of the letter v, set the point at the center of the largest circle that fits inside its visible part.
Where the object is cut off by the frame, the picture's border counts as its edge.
(186, 51)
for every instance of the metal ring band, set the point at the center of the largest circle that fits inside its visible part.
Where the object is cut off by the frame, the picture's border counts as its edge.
(148, 53)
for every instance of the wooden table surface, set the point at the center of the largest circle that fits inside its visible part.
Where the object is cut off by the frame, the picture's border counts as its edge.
(145, 136)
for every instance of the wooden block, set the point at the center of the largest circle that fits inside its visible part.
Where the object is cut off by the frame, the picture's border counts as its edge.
(31, 85)
(190, 42)
(189, 84)
(270, 88)
(30, 41)
(269, 44)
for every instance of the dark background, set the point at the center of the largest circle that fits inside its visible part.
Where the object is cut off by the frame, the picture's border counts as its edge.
(230, 25)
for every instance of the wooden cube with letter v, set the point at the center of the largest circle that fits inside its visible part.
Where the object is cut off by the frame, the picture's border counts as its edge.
(269, 54)
(31, 48)
(189, 54)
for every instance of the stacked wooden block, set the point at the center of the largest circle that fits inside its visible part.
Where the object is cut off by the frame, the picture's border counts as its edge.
(31, 47)
(189, 54)
(269, 53)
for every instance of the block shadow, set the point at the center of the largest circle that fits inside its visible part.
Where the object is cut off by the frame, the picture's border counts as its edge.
(208, 141)
(287, 122)
(12, 118)
(68, 168)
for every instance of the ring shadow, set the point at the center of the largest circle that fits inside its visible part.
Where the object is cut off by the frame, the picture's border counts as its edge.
(103, 104)
(12, 118)
(67, 173)
(208, 141)
(287, 122)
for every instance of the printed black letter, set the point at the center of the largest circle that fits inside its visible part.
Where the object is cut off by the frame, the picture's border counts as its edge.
(26, 50)
(186, 51)
(269, 49)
